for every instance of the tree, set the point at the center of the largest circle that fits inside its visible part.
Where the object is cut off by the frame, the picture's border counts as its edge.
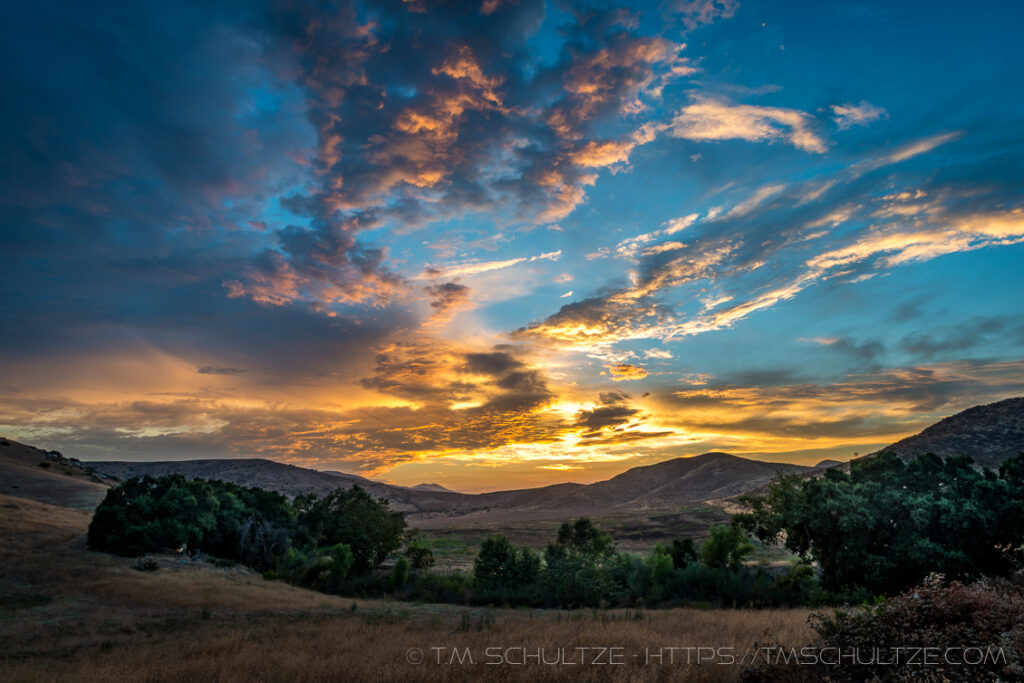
(501, 566)
(399, 575)
(727, 547)
(683, 552)
(369, 527)
(661, 565)
(888, 524)
(417, 549)
(583, 537)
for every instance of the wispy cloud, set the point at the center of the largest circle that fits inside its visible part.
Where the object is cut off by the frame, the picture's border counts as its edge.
(476, 267)
(712, 119)
(849, 115)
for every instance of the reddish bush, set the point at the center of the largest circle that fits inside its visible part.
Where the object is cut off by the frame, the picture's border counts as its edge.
(935, 632)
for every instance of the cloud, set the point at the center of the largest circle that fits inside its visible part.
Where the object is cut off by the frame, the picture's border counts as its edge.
(326, 264)
(448, 297)
(621, 372)
(966, 336)
(697, 13)
(866, 354)
(216, 370)
(712, 119)
(849, 115)
(748, 255)
(417, 130)
(477, 267)
(873, 408)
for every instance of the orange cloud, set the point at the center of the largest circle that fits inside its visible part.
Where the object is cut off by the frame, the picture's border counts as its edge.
(709, 119)
(622, 372)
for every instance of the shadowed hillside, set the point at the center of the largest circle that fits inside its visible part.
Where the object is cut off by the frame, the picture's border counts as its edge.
(49, 477)
(663, 485)
(989, 434)
(700, 478)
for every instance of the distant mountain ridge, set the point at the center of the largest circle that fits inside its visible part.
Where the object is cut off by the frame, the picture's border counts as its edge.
(989, 434)
(662, 485)
(430, 487)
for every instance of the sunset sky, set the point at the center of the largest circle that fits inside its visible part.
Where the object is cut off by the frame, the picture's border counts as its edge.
(506, 244)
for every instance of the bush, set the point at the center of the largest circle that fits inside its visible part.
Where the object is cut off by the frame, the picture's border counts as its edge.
(418, 551)
(145, 564)
(727, 547)
(399, 575)
(985, 614)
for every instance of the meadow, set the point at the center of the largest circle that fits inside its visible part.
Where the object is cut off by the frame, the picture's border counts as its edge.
(68, 613)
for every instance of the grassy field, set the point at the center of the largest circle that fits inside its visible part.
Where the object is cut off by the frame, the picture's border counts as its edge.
(456, 539)
(67, 613)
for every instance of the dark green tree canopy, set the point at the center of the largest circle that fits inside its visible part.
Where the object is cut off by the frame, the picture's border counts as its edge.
(247, 525)
(888, 524)
(369, 527)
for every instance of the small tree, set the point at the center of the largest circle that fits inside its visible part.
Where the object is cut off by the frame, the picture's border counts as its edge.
(418, 550)
(399, 575)
(683, 552)
(583, 537)
(661, 565)
(727, 547)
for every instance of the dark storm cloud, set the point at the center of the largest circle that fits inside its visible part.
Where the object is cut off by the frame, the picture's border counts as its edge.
(598, 418)
(614, 421)
(492, 363)
(136, 147)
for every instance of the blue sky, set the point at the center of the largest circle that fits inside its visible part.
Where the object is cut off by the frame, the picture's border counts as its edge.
(506, 244)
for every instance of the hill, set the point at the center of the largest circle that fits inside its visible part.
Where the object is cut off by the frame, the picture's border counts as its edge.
(662, 485)
(680, 480)
(49, 477)
(825, 464)
(989, 433)
(430, 487)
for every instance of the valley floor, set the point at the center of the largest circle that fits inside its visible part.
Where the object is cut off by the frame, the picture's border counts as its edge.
(67, 613)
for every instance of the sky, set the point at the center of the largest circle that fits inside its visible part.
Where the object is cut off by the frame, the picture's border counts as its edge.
(504, 244)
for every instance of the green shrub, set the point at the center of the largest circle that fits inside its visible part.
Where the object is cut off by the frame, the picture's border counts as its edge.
(399, 575)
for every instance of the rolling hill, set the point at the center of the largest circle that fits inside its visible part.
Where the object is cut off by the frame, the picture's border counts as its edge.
(663, 485)
(989, 434)
(49, 477)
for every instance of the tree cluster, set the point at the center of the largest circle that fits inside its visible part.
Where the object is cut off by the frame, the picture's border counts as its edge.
(317, 542)
(887, 524)
(582, 568)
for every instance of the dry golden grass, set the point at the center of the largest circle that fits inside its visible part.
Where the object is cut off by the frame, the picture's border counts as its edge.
(26, 472)
(71, 614)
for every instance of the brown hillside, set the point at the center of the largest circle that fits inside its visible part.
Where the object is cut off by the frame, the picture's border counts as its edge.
(48, 477)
